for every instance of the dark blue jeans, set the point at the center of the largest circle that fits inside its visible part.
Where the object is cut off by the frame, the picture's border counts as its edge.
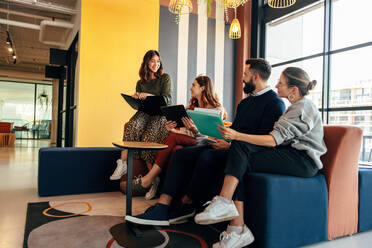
(245, 158)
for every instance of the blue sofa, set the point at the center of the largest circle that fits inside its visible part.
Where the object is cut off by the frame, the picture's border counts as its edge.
(282, 211)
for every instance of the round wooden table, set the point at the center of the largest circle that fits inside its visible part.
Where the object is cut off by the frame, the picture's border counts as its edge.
(148, 237)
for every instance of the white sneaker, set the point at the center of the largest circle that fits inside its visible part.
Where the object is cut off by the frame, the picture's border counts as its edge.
(121, 169)
(234, 240)
(154, 188)
(219, 209)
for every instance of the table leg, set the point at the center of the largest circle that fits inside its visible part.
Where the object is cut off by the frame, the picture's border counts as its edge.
(131, 226)
(129, 234)
(129, 182)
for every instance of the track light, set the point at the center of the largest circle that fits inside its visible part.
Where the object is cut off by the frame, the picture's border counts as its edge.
(10, 48)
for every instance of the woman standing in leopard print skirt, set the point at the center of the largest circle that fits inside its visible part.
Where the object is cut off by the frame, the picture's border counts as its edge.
(143, 127)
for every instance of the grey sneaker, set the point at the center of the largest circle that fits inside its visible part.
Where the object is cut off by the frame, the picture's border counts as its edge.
(231, 239)
(154, 188)
(121, 170)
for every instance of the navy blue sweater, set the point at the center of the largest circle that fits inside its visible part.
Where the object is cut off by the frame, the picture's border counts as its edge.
(257, 114)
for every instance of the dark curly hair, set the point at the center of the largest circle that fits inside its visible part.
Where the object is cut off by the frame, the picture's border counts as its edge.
(144, 71)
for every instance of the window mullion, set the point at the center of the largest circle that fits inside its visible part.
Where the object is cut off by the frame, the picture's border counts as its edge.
(327, 58)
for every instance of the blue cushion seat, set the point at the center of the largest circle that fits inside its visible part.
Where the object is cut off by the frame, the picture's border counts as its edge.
(286, 211)
(64, 171)
(365, 200)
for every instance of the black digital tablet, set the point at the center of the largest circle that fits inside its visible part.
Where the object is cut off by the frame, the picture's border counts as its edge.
(151, 105)
(133, 102)
(174, 113)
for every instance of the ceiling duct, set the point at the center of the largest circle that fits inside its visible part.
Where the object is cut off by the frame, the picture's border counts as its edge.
(54, 32)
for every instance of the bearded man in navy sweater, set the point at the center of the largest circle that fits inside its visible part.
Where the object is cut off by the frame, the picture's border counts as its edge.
(196, 173)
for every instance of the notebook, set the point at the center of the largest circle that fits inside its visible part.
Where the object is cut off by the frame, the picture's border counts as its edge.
(151, 105)
(207, 123)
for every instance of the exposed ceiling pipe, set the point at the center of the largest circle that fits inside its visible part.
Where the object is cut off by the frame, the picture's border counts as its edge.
(12, 12)
(45, 6)
(19, 24)
(43, 26)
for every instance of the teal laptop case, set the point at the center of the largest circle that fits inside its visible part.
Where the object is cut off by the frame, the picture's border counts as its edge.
(207, 123)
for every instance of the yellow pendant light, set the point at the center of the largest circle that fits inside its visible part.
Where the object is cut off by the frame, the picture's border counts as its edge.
(231, 3)
(180, 7)
(279, 4)
(235, 31)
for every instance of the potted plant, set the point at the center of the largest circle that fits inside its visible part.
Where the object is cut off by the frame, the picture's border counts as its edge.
(44, 100)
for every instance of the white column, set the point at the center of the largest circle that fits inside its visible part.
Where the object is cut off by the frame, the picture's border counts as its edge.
(183, 47)
(201, 63)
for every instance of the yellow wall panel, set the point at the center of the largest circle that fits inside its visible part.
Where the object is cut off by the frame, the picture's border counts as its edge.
(115, 34)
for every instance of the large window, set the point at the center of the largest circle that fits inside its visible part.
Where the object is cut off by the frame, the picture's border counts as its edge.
(300, 32)
(17, 103)
(351, 23)
(27, 104)
(336, 32)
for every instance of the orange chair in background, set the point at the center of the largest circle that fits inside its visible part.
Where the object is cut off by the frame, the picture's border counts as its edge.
(6, 137)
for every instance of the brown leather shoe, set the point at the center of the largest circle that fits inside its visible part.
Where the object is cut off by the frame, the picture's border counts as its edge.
(137, 188)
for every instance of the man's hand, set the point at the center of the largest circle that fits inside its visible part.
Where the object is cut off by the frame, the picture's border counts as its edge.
(169, 125)
(228, 133)
(220, 144)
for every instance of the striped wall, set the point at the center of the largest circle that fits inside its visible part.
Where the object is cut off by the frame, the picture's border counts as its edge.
(198, 45)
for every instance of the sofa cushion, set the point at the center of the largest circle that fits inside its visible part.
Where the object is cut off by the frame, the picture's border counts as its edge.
(286, 211)
(365, 199)
(76, 170)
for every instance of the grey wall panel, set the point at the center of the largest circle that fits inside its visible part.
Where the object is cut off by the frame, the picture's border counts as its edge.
(229, 75)
(168, 46)
(211, 36)
(192, 54)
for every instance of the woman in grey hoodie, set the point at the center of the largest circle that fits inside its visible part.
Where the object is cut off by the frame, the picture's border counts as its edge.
(293, 148)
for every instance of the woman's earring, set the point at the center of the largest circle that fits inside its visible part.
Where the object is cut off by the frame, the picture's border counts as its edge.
(291, 97)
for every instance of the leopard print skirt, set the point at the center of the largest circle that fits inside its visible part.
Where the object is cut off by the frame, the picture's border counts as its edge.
(146, 128)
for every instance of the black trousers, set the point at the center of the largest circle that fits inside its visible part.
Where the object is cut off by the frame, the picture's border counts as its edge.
(245, 158)
(181, 170)
(197, 172)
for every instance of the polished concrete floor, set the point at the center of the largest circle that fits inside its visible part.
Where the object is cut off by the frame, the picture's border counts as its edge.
(18, 186)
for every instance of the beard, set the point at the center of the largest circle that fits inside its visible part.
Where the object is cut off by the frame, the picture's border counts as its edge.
(249, 87)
